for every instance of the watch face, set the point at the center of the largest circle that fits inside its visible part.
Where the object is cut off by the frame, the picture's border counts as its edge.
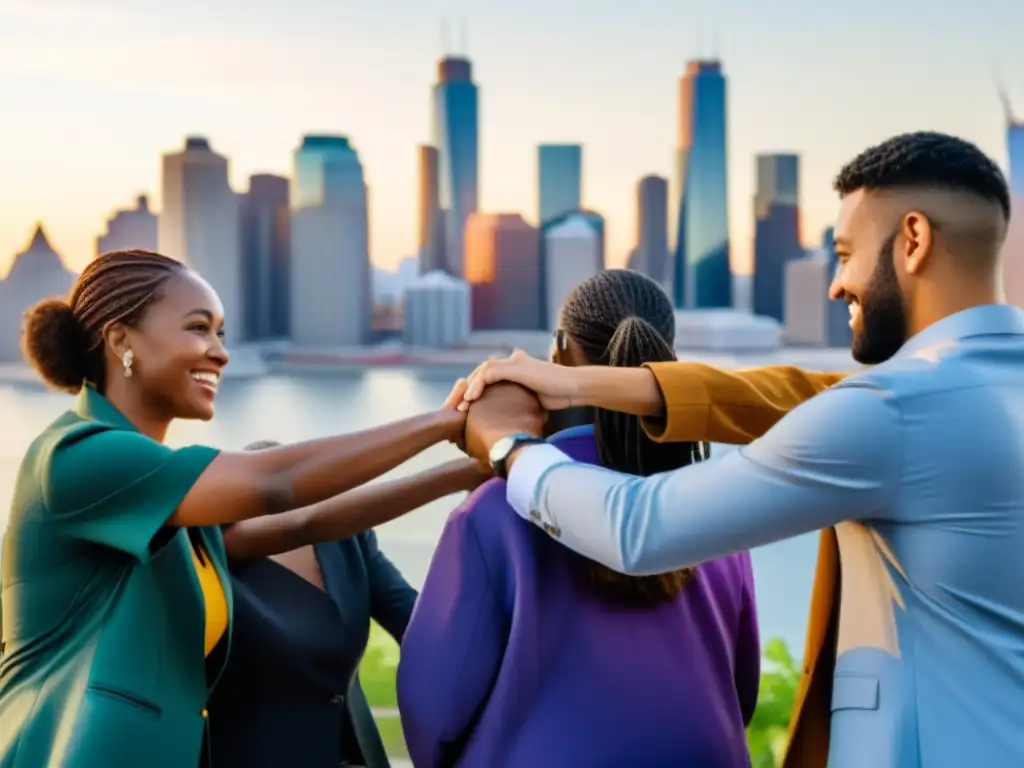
(500, 450)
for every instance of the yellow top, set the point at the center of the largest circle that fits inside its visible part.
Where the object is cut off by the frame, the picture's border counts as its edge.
(215, 600)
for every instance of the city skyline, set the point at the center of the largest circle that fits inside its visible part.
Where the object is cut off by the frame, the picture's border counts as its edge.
(90, 132)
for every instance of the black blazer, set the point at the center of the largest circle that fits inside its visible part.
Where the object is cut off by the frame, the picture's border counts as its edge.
(290, 694)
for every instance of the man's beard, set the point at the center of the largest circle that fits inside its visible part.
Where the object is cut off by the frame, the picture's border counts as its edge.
(882, 311)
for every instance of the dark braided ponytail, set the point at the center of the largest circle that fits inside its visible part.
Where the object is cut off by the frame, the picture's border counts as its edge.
(623, 318)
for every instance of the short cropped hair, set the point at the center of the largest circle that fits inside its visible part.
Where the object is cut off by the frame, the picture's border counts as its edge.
(926, 159)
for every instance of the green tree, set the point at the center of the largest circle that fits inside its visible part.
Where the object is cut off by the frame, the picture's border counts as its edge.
(766, 735)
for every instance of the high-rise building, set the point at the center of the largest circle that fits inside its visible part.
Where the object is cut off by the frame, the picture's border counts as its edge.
(559, 180)
(1013, 249)
(806, 308)
(431, 219)
(503, 271)
(199, 223)
(436, 312)
(37, 273)
(266, 242)
(811, 317)
(130, 228)
(776, 230)
(456, 136)
(701, 274)
(650, 256)
(331, 295)
(572, 252)
(593, 220)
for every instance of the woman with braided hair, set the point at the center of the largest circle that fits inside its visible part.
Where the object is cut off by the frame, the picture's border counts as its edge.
(116, 596)
(522, 653)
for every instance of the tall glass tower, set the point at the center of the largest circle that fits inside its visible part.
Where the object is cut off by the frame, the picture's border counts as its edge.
(456, 136)
(559, 180)
(330, 293)
(701, 275)
(1015, 150)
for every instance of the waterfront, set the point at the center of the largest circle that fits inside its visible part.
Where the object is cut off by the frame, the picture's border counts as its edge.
(293, 407)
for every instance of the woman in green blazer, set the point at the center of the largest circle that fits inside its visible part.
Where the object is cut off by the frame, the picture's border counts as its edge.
(115, 592)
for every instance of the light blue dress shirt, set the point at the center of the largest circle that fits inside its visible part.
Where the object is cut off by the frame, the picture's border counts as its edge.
(919, 465)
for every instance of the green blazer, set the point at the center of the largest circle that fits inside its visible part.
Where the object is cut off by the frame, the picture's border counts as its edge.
(104, 619)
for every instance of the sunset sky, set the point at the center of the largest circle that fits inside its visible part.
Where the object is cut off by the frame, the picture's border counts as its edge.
(93, 91)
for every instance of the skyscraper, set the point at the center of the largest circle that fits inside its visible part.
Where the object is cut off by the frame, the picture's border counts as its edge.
(199, 223)
(456, 136)
(812, 318)
(650, 256)
(572, 252)
(839, 332)
(503, 270)
(130, 228)
(550, 270)
(1013, 250)
(701, 274)
(776, 230)
(436, 312)
(331, 298)
(431, 253)
(266, 242)
(559, 180)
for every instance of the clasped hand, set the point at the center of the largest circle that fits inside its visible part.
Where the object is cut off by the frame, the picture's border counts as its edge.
(507, 396)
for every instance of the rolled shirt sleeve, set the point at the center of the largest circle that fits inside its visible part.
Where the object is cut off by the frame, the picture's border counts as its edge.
(837, 457)
(117, 487)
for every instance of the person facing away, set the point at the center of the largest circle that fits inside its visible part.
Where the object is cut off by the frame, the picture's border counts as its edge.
(116, 598)
(929, 637)
(522, 653)
(306, 584)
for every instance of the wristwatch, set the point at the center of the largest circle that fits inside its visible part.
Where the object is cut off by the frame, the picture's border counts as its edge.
(505, 447)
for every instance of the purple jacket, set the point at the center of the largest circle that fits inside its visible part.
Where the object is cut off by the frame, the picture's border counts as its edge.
(513, 657)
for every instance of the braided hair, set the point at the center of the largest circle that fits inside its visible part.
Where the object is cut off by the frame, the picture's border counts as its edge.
(623, 318)
(63, 338)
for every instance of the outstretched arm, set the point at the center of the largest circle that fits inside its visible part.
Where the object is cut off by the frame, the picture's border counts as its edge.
(681, 401)
(702, 402)
(836, 458)
(103, 481)
(349, 513)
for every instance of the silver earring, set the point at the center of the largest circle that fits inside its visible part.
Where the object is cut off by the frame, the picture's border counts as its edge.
(126, 360)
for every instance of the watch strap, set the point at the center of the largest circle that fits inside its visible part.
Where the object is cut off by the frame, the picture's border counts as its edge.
(499, 464)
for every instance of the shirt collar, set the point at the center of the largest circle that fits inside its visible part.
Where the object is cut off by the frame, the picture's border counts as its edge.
(988, 320)
(93, 406)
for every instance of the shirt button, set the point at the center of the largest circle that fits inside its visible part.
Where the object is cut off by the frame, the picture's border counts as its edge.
(204, 714)
(534, 514)
(337, 700)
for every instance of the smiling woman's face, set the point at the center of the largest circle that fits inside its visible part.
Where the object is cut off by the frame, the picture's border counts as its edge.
(178, 350)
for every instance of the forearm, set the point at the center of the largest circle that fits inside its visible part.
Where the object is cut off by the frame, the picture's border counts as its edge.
(703, 402)
(363, 508)
(837, 458)
(627, 390)
(316, 470)
(346, 514)
(692, 402)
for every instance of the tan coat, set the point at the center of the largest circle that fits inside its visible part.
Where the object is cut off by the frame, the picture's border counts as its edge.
(737, 407)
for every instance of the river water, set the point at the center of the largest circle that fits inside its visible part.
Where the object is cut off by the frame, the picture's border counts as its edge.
(292, 407)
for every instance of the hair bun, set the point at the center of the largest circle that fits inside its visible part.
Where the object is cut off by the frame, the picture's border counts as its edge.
(54, 343)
